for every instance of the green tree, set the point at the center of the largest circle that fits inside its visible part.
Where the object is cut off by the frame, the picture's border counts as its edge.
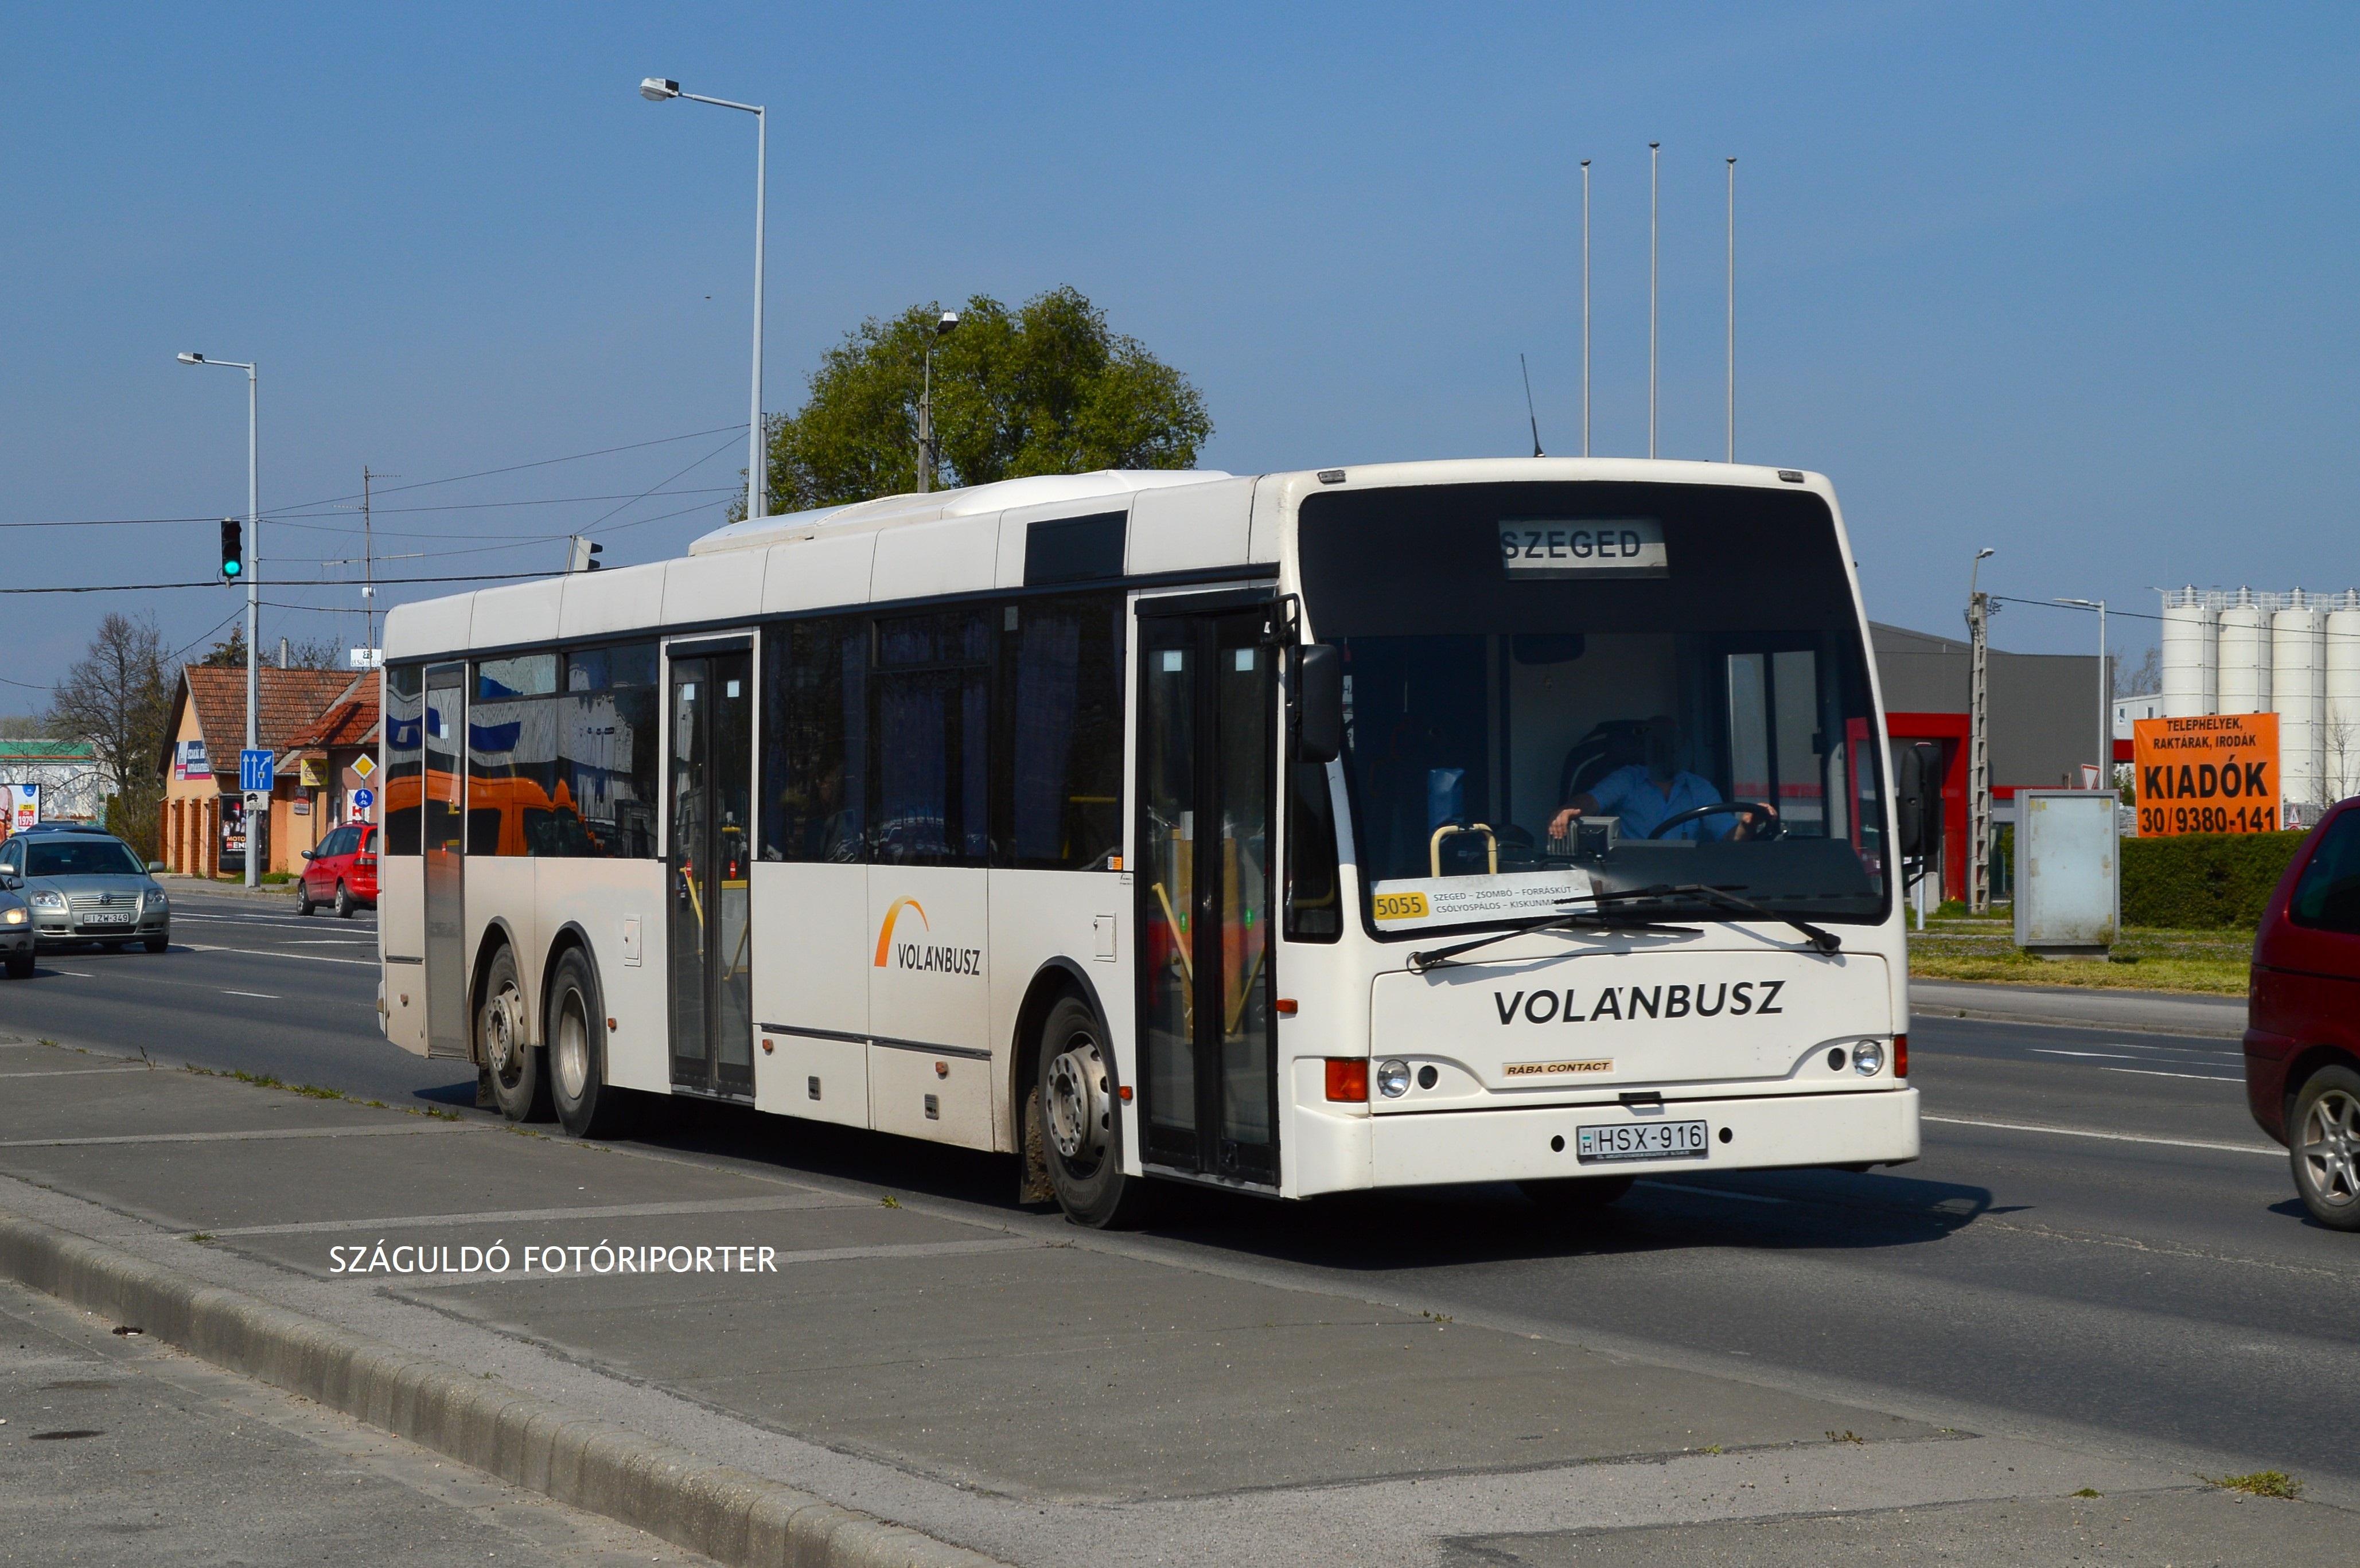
(227, 654)
(116, 695)
(1045, 388)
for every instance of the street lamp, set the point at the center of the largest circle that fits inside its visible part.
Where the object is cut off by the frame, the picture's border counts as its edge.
(657, 90)
(928, 460)
(253, 599)
(2105, 691)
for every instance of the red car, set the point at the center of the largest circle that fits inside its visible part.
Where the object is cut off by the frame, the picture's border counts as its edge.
(2302, 1018)
(343, 872)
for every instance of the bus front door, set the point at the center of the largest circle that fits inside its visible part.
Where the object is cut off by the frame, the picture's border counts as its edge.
(1207, 731)
(711, 715)
(441, 827)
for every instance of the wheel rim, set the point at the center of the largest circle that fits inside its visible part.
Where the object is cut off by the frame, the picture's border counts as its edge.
(572, 1050)
(1077, 1113)
(2329, 1150)
(501, 1039)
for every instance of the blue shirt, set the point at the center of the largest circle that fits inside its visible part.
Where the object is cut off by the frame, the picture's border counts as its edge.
(1629, 793)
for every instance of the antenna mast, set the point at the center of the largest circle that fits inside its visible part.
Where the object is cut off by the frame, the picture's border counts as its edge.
(1529, 414)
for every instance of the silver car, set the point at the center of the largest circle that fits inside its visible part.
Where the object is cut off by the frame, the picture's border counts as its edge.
(86, 887)
(15, 930)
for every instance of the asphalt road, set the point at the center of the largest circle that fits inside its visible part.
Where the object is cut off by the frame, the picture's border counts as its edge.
(2098, 1240)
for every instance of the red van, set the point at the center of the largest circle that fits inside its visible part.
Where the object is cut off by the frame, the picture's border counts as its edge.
(2302, 1018)
(343, 871)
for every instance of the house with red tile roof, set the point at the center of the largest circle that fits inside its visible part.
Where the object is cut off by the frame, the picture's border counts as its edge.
(202, 831)
(327, 776)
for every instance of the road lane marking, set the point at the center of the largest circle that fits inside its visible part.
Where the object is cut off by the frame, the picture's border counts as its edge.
(74, 1072)
(267, 953)
(2110, 1136)
(2153, 1072)
(2111, 1055)
(257, 995)
(423, 1127)
(603, 1212)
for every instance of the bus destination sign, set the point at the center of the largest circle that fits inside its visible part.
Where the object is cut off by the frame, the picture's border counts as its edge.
(1587, 547)
(2214, 773)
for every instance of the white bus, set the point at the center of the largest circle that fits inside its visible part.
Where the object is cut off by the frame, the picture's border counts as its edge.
(1418, 823)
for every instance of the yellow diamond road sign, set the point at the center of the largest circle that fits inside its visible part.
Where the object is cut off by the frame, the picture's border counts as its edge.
(364, 766)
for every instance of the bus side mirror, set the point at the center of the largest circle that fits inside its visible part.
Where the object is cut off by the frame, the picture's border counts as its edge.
(1920, 778)
(1319, 702)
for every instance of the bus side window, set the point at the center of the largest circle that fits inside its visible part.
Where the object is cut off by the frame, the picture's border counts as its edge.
(1314, 895)
(403, 759)
(814, 740)
(1059, 769)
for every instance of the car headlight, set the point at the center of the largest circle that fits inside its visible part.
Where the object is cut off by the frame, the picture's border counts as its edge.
(46, 898)
(13, 917)
(153, 902)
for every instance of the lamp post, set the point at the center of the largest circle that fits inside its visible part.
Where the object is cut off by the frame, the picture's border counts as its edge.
(1979, 807)
(2105, 693)
(928, 462)
(253, 595)
(656, 90)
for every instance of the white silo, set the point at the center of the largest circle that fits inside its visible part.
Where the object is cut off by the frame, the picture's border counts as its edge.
(2339, 738)
(2191, 631)
(2245, 669)
(2299, 696)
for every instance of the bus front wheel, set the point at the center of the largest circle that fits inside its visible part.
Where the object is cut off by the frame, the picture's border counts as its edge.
(1081, 1122)
(520, 1082)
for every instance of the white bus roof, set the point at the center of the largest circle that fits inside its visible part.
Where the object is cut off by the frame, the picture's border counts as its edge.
(901, 547)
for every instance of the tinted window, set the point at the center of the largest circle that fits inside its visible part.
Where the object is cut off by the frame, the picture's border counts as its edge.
(402, 757)
(2327, 896)
(1061, 665)
(526, 675)
(930, 705)
(815, 739)
(82, 857)
(1314, 905)
(1074, 549)
(598, 669)
(605, 801)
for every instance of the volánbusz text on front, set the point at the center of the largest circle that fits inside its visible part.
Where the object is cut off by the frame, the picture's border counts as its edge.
(1385, 826)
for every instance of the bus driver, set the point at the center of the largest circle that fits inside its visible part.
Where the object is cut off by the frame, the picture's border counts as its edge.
(1647, 794)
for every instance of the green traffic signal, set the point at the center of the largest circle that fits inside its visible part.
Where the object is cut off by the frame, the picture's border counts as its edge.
(233, 551)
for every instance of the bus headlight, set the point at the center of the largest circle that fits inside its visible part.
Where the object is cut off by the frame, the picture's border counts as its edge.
(1392, 1079)
(1868, 1059)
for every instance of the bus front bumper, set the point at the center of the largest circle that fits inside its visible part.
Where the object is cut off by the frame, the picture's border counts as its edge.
(1854, 1127)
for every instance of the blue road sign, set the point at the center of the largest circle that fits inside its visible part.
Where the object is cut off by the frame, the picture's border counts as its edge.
(364, 798)
(255, 772)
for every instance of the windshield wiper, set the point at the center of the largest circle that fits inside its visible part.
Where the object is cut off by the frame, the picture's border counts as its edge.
(1420, 963)
(1821, 938)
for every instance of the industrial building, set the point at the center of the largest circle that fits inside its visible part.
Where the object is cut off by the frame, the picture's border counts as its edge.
(2294, 654)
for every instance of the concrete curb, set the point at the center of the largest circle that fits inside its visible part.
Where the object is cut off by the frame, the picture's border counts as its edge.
(2092, 1007)
(724, 1512)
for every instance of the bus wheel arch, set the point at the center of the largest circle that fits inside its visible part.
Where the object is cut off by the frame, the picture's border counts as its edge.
(1077, 1090)
(1052, 981)
(574, 1009)
(506, 1050)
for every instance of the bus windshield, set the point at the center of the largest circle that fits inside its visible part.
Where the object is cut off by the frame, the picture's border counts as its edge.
(1556, 689)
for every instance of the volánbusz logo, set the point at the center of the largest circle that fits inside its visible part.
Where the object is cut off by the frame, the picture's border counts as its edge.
(1623, 1003)
(926, 957)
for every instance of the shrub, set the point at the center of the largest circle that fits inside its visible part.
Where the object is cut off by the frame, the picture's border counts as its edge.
(2202, 881)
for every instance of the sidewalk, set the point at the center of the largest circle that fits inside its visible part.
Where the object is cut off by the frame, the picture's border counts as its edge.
(1013, 1386)
(2071, 1006)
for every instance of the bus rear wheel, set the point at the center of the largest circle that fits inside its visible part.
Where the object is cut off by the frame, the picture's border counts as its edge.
(519, 1084)
(587, 1106)
(1081, 1122)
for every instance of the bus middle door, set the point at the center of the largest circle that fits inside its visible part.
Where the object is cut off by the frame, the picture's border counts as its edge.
(710, 722)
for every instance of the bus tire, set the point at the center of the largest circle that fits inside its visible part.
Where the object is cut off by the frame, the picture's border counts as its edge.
(1576, 1195)
(1081, 1122)
(520, 1082)
(587, 1106)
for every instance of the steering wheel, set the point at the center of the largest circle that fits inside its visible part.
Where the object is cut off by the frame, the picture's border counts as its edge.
(1766, 821)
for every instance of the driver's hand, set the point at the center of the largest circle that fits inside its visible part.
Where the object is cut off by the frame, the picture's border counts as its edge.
(1563, 820)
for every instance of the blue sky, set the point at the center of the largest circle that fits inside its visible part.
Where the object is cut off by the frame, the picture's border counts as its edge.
(2075, 283)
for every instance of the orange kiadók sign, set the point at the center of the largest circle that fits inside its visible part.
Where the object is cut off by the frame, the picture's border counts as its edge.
(2214, 773)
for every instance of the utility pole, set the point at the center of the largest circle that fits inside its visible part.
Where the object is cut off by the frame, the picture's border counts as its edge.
(946, 322)
(368, 567)
(1732, 455)
(1655, 273)
(1979, 809)
(1585, 307)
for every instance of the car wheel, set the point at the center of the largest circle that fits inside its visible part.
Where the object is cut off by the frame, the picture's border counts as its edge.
(519, 1086)
(346, 904)
(1576, 1195)
(2325, 1147)
(587, 1106)
(161, 941)
(303, 905)
(1082, 1123)
(20, 966)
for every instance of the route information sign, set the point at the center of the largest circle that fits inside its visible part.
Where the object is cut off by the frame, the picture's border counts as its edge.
(2216, 773)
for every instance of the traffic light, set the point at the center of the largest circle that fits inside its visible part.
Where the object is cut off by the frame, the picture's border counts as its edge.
(233, 551)
(583, 555)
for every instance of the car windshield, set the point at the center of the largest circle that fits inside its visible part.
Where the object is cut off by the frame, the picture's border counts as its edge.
(1551, 689)
(82, 857)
